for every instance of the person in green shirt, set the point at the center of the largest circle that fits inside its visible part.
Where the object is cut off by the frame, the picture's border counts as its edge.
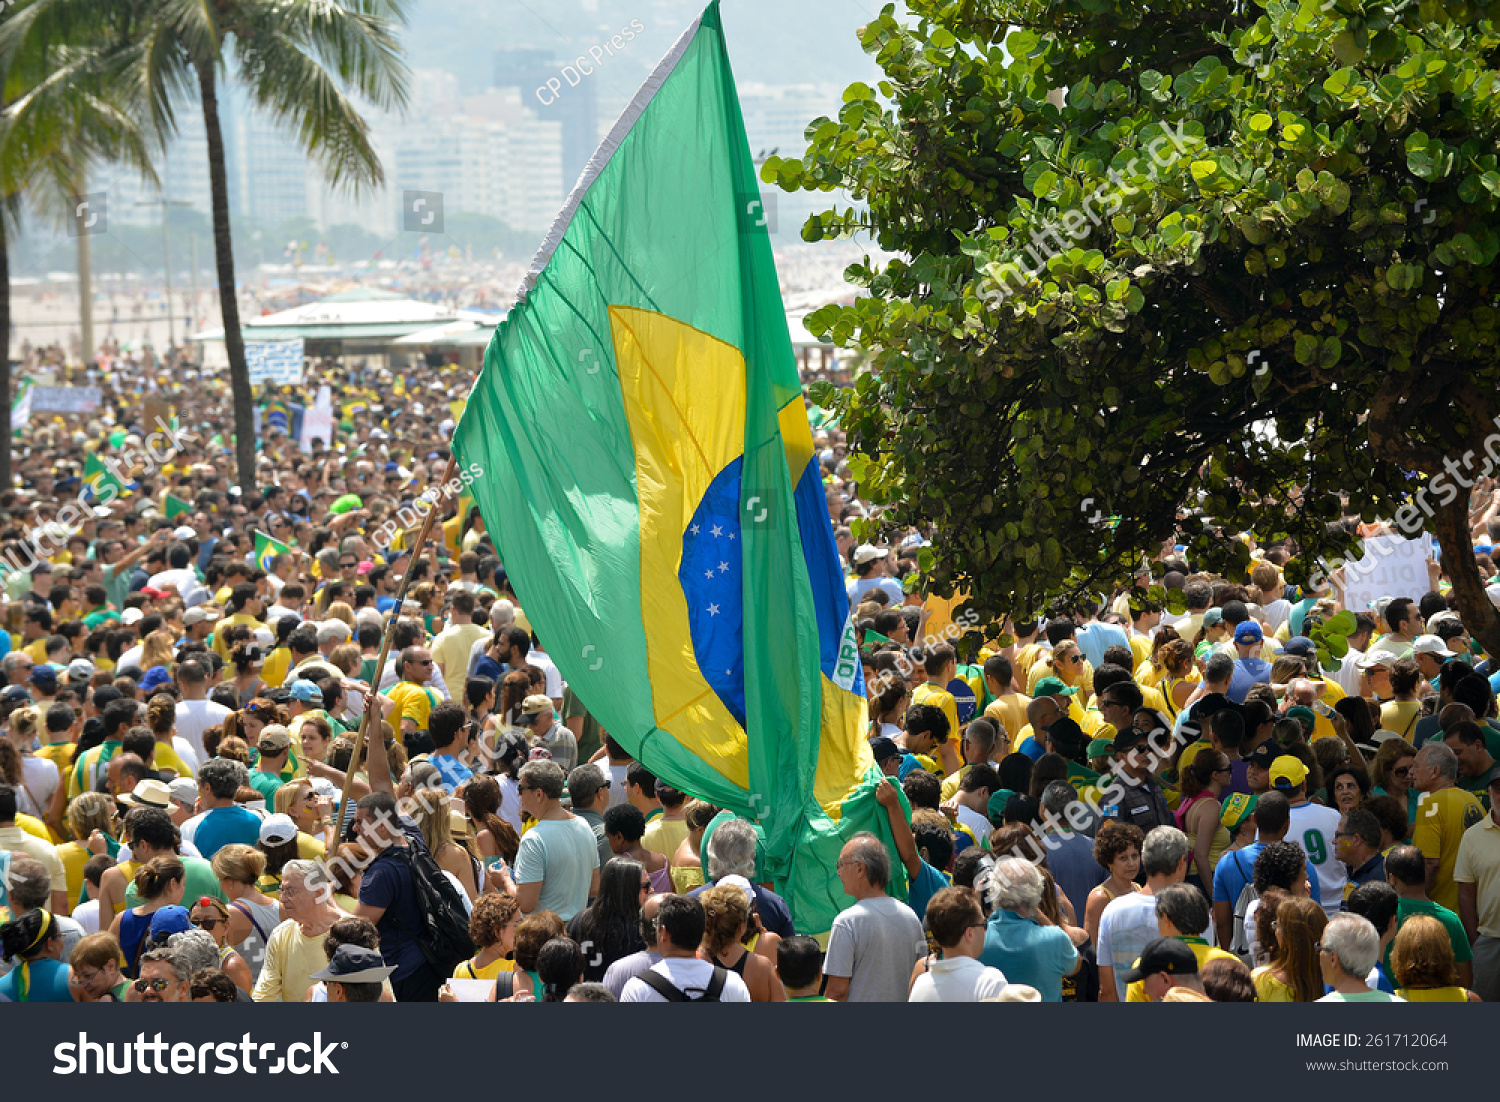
(799, 966)
(1476, 767)
(1406, 869)
(275, 746)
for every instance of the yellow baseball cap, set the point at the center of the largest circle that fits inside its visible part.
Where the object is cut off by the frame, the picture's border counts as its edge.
(1287, 772)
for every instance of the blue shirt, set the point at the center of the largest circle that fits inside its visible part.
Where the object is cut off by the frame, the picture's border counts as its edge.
(1028, 952)
(223, 825)
(1094, 639)
(1248, 672)
(927, 884)
(47, 982)
(387, 883)
(1236, 869)
(453, 771)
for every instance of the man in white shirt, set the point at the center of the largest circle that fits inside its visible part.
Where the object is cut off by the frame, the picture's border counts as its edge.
(957, 924)
(1128, 923)
(180, 575)
(195, 712)
(1313, 829)
(680, 975)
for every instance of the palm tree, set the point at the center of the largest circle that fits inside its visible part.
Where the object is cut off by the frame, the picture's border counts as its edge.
(60, 117)
(294, 58)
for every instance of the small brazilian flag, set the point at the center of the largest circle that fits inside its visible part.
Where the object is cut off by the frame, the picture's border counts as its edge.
(103, 481)
(266, 549)
(677, 559)
(176, 507)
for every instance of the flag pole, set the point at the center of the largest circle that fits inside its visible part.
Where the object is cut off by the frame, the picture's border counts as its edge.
(371, 708)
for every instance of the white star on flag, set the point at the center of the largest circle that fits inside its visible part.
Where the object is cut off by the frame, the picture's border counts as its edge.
(709, 574)
(716, 531)
(723, 568)
(694, 529)
(713, 610)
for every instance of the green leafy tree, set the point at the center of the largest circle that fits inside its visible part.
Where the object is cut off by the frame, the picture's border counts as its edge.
(61, 116)
(299, 60)
(1231, 257)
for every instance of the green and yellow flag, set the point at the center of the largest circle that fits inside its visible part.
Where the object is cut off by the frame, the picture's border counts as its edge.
(267, 548)
(175, 506)
(103, 481)
(643, 458)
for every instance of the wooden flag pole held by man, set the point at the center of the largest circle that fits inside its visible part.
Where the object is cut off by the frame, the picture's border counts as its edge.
(385, 649)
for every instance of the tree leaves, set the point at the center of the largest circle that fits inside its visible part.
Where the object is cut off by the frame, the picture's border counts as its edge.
(1206, 264)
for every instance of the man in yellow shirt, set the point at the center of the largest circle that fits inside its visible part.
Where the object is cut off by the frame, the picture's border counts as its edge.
(413, 699)
(941, 665)
(1181, 915)
(248, 610)
(1444, 813)
(36, 626)
(1009, 707)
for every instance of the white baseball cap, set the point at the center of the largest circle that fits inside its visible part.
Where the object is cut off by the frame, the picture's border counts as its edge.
(183, 532)
(1432, 644)
(868, 552)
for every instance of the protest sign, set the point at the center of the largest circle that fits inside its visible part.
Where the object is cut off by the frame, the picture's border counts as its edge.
(1391, 567)
(278, 362)
(65, 399)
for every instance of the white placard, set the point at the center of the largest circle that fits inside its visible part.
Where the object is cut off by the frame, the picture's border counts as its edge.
(278, 362)
(472, 991)
(65, 399)
(318, 421)
(1392, 567)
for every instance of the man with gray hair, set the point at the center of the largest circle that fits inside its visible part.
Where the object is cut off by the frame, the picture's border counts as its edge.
(876, 943)
(1444, 812)
(731, 845)
(331, 634)
(221, 820)
(1128, 923)
(164, 977)
(1019, 939)
(588, 793)
(1349, 949)
(294, 949)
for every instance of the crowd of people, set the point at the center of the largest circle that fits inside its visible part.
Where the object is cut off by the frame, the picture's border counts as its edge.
(1108, 802)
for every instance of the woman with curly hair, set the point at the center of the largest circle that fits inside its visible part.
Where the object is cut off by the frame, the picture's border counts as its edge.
(492, 925)
(532, 932)
(1117, 847)
(727, 914)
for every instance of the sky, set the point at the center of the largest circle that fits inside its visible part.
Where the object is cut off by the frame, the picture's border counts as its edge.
(770, 41)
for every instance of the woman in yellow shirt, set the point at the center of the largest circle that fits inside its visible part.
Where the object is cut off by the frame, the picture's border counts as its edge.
(89, 811)
(1422, 964)
(492, 925)
(1401, 714)
(686, 865)
(1289, 927)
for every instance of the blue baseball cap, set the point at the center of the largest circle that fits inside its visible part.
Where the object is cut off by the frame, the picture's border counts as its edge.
(305, 691)
(170, 920)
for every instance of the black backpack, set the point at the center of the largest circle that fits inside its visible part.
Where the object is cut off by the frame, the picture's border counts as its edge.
(443, 935)
(674, 994)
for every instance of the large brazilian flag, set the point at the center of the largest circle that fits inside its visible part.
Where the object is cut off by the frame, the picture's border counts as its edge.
(648, 476)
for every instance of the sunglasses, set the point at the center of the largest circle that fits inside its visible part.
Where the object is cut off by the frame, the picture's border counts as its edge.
(206, 923)
(152, 985)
